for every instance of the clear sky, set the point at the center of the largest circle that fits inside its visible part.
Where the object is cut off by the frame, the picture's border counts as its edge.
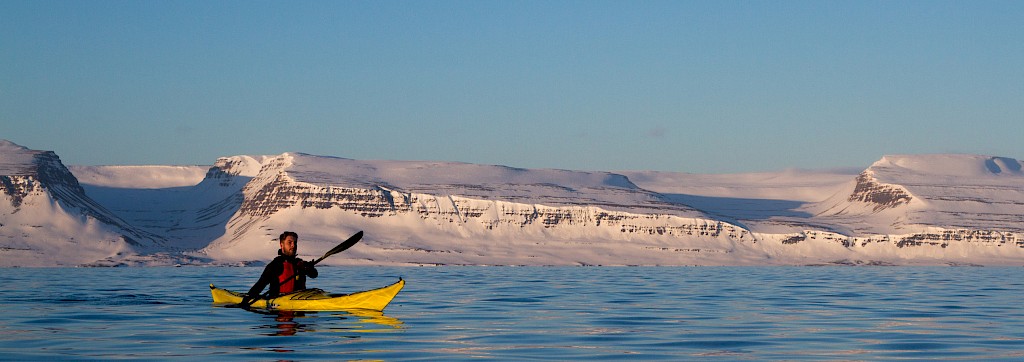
(688, 86)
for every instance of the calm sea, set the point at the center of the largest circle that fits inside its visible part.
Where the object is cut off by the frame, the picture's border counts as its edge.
(527, 313)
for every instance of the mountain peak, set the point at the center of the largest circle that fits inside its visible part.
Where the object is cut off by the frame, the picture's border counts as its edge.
(16, 159)
(8, 146)
(879, 195)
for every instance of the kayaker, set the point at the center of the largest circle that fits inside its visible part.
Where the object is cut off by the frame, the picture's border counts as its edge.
(285, 274)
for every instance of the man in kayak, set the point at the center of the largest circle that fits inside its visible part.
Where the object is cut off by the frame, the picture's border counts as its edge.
(285, 274)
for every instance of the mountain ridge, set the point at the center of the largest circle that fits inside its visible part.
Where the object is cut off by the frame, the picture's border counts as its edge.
(899, 211)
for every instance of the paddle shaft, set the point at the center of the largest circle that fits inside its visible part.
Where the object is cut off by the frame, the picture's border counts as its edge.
(341, 247)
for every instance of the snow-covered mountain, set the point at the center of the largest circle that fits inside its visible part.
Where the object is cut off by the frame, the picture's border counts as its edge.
(927, 209)
(46, 218)
(454, 213)
(917, 193)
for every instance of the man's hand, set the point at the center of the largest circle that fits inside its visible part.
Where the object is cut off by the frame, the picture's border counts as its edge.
(246, 303)
(308, 269)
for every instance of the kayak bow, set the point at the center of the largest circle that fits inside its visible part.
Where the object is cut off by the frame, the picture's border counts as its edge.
(316, 299)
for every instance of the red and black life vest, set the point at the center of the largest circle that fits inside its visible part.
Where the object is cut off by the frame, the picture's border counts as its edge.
(291, 278)
(287, 277)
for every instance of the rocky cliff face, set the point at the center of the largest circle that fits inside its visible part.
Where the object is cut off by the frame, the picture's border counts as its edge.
(937, 238)
(28, 174)
(880, 196)
(510, 204)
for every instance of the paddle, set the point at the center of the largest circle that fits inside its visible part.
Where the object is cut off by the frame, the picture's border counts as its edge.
(341, 247)
(352, 240)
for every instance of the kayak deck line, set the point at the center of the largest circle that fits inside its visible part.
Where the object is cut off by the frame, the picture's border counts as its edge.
(316, 299)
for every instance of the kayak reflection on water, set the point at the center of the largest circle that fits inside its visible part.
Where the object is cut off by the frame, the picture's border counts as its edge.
(289, 323)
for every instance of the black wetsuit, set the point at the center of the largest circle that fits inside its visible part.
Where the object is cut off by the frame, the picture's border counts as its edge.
(282, 267)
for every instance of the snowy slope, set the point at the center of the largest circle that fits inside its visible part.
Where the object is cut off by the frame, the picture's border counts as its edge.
(547, 187)
(791, 185)
(767, 202)
(139, 177)
(188, 205)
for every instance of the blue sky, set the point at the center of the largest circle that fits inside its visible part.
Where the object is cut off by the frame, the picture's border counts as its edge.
(687, 86)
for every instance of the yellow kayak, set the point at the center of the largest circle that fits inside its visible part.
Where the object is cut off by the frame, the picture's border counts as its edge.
(317, 299)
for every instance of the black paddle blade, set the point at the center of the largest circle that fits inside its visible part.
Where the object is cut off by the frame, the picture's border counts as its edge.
(343, 246)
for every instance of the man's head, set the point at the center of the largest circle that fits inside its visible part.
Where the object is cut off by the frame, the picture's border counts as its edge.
(289, 243)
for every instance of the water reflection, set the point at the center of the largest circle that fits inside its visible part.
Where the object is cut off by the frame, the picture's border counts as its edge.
(290, 323)
(286, 325)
